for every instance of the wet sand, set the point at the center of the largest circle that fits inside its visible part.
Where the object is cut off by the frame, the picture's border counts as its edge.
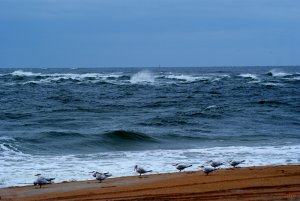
(250, 183)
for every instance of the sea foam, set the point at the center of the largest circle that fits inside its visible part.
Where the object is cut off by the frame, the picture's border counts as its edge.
(21, 170)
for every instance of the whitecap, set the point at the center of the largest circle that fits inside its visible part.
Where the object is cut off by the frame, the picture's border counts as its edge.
(85, 77)
(187, 78)
(211, 107)
(249, 75)
(74, 76)
(25, 73)
(142, 77)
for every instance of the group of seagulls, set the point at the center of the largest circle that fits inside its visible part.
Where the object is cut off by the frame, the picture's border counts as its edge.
(213, 165)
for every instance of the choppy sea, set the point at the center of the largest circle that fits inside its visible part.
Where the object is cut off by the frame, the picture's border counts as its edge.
(65, 123)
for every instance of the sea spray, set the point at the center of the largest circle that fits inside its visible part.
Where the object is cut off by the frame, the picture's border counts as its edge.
(142, 77)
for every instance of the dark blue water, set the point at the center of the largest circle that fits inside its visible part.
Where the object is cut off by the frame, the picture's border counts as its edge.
(58, 112)
(91, 110)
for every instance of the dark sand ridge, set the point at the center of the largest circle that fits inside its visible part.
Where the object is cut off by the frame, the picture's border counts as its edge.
(250, 183)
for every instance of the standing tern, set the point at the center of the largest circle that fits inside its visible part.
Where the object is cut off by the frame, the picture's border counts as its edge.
(101, 176)
(141, 170)
(207, 170)
(214, 164)
(42, 180)
(181, 166)
(235, 163)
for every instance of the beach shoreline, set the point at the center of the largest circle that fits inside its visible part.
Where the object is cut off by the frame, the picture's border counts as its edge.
(247, 183)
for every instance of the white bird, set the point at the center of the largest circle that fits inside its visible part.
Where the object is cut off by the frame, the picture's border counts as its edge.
(235, 163)
(207, 170)
(141, 170)
(42, 180)
(215, 164)
(181, 166)
(101, 176)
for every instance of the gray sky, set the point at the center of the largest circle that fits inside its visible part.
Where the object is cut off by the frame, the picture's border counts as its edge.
(104, 33)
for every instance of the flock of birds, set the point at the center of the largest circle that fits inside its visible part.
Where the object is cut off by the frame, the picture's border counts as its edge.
(213, 165)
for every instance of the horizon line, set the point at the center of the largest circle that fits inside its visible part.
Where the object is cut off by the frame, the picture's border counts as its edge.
(227, 66)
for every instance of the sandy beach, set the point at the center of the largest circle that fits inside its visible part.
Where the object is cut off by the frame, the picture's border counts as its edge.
(249, 183)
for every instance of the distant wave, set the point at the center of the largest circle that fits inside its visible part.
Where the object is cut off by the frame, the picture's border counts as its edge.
(249, 75)
(187, 78)
(40, 78)
(195, 78)
(24, 73)
(272, 102)
(119, 78)
(280, 73)
(165, 121)
(25, 77)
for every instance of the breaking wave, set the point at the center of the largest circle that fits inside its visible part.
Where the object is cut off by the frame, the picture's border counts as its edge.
(142, 77)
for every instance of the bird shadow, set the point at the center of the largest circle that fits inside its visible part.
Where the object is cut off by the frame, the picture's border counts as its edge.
(141, 177)
(108, 186)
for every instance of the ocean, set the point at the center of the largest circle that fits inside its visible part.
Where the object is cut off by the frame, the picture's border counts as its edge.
(65, 123)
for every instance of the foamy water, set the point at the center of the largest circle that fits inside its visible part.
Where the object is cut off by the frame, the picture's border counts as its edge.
(19, 169)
